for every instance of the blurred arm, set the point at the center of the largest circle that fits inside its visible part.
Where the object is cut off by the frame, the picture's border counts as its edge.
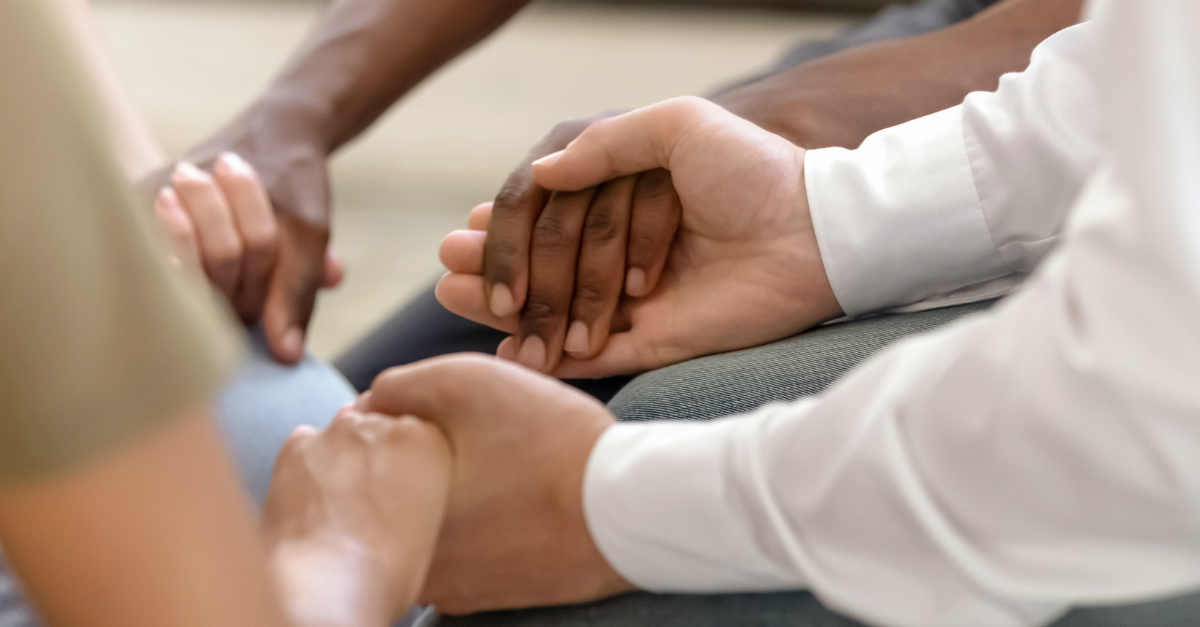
(841, 99)
(362, 56)
(157, 534)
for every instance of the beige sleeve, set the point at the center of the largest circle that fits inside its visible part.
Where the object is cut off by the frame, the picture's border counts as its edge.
(99, 338)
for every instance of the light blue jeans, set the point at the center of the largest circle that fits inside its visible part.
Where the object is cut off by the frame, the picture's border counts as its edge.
(257, 411)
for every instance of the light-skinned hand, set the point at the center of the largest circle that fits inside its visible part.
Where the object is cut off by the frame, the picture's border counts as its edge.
(742, 269)
(352, 516)
(514, 534)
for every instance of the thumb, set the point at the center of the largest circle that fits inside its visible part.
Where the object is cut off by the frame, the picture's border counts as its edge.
(298, 275)
(435, 389)
(643, 139)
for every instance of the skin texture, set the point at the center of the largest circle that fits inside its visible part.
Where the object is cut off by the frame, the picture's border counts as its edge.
(742, 268)
(352, 517)
(514, 534)
(361, 57)
(557, 259)
(222, 225)
(92, 546)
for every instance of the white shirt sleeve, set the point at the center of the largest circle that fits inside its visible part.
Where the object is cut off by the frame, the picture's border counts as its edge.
(962, 204)
(996, 472)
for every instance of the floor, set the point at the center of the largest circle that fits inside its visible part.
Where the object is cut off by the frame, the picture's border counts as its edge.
(191, 66)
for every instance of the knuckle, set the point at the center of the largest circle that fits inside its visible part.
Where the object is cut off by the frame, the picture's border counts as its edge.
(690, 104)
(600, 227)
(539, 311)
(551, 235)
(591, 291)
(644, 242)
(654, 186)
(500, 260)
(260, 242)
(509, 197)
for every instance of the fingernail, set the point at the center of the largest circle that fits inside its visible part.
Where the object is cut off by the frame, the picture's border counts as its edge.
(577, 338)
(550, 159)
(635, 282)
(189, 171)
(235, 163)
(502, 300)
(507, 349)
(533, 353)
(292, 343)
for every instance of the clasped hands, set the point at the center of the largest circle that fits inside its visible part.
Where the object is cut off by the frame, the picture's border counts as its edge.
(457, 481)
(657, 236)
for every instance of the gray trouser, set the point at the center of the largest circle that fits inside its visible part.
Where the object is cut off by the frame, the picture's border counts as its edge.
(721, 385)
(256, 412)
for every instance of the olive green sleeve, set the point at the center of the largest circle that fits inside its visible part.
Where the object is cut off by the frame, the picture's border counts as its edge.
(100, 339)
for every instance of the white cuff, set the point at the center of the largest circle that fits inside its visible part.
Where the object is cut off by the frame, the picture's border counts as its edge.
(899, 220)
(663, 504)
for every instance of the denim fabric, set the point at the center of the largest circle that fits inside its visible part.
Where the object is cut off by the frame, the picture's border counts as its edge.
(266, 401)
(257, 412)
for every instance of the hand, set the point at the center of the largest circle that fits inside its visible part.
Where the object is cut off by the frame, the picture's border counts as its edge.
(514, 533)
(743, 269)
(549, 255)
(291, 165)
(222, 224)
(352, 516)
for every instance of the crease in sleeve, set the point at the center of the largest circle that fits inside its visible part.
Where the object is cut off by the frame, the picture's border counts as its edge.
(899, 220)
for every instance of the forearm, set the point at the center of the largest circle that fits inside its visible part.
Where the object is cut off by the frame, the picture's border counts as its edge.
(841, 99)
(364, 55)
(156, 534)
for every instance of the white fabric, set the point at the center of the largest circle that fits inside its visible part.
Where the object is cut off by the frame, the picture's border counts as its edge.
(926, 211)
(1003, 469)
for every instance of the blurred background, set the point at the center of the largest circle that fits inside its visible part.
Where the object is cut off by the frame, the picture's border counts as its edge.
(190, 65)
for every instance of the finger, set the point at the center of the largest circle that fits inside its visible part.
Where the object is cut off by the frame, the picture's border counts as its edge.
(507, 350)
(601, 268)
(220, 244)
(464, 295)
(506, 249)
(462, 251)
(511, 221)
(656, 215)
(256, 224)
(438, 389)
(480, 215)
(623, 354)
(635, 142)
(299, 272)
(553, 253)
(180, 230)
(335, 270)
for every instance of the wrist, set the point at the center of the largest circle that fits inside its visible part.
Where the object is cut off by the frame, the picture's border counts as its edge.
(331, 582)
